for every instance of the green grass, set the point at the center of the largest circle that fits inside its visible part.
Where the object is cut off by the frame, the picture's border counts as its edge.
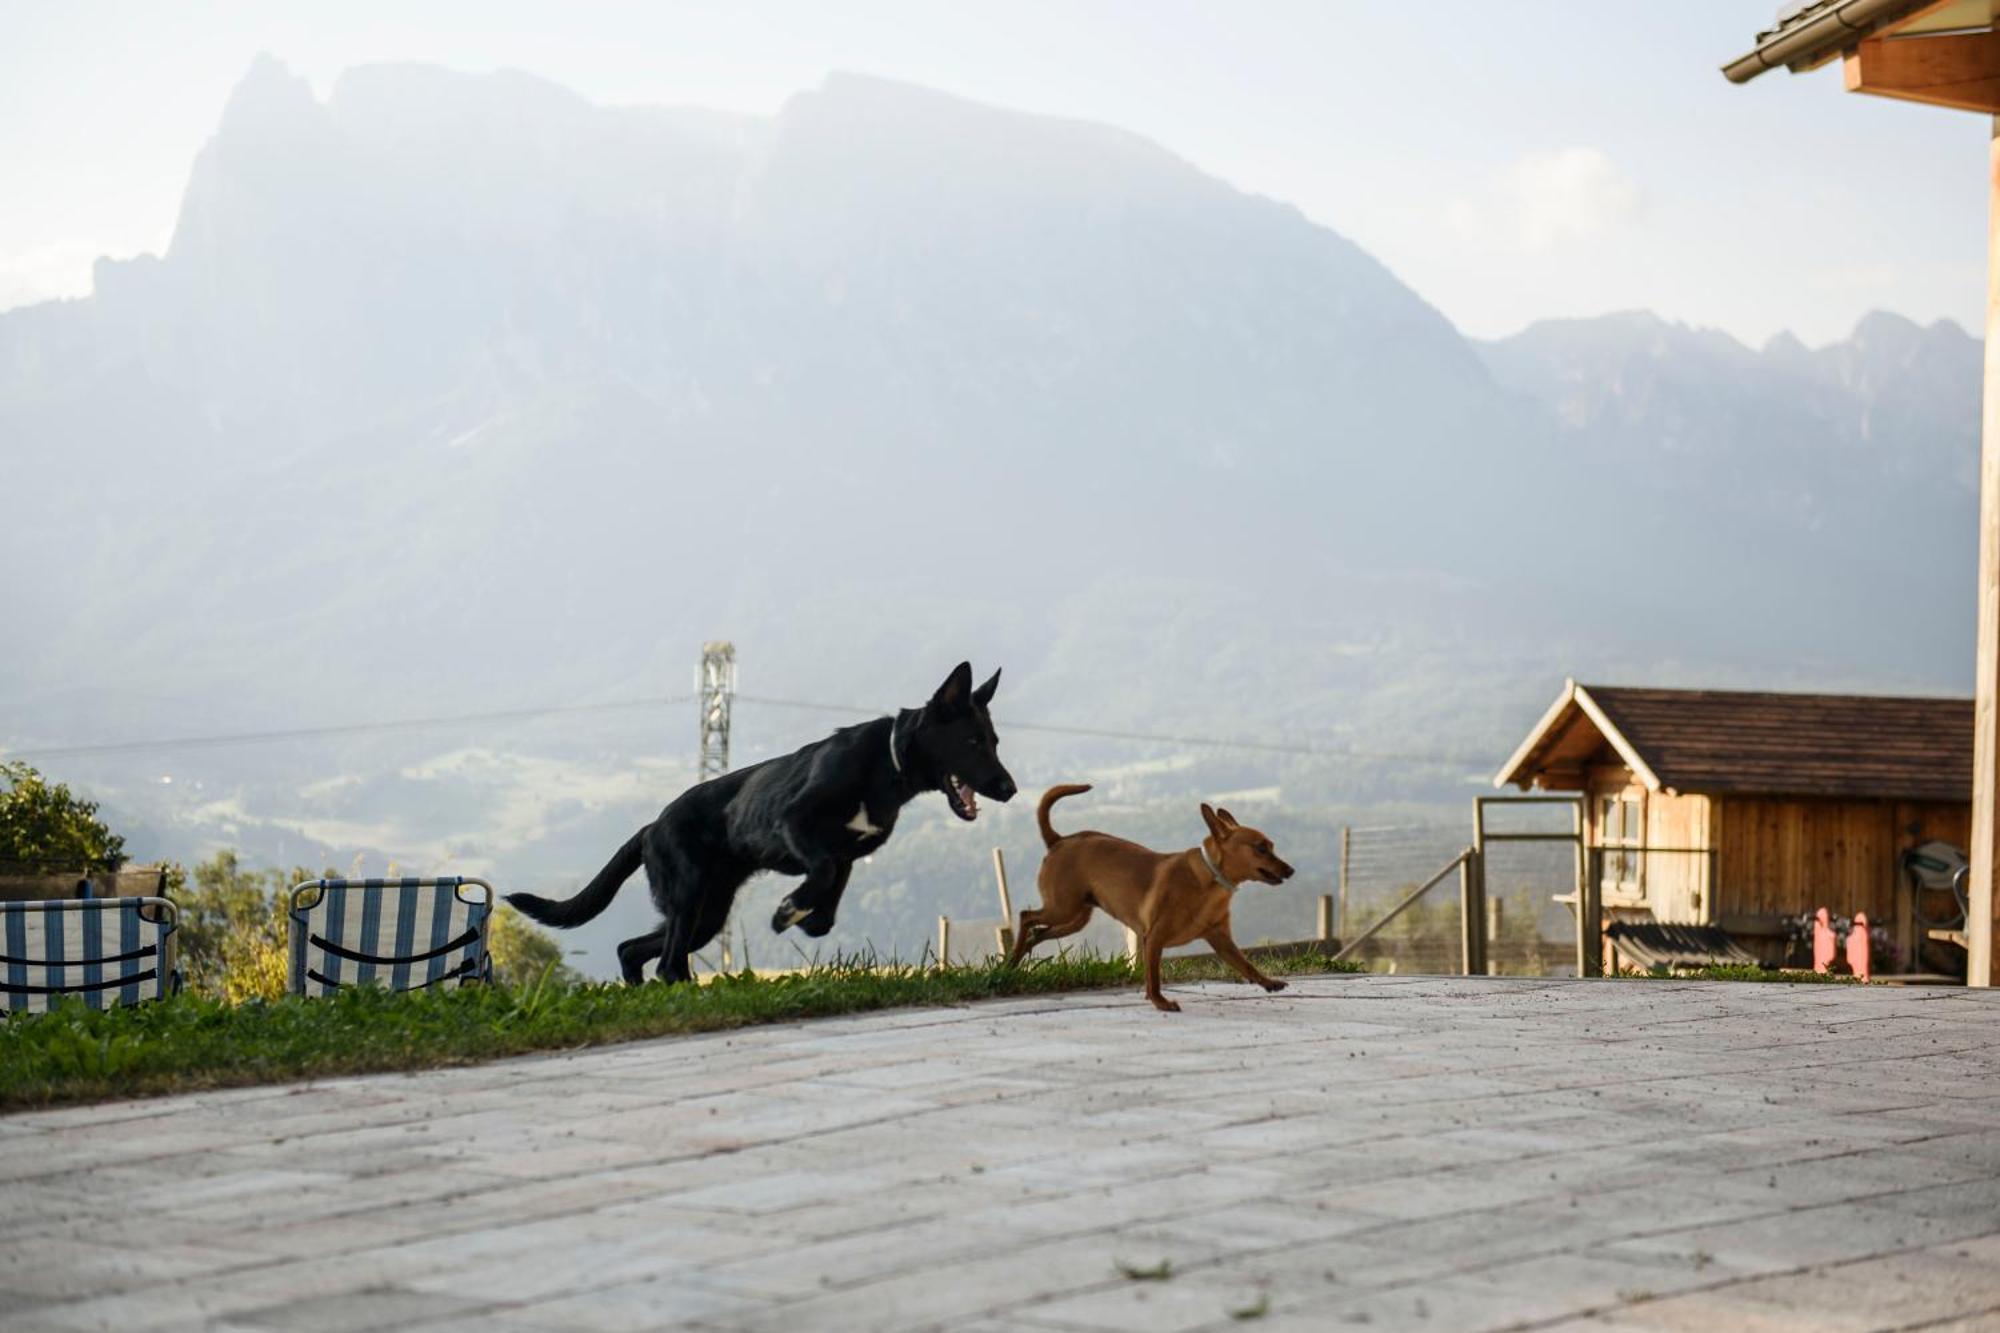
(1740, 972)
(190, 1041)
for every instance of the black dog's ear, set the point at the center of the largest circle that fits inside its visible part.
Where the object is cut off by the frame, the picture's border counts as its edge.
(1208, 817)
(951, 695)
(984, 694)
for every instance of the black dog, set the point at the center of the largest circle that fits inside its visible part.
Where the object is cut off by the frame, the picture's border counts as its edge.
(811, 813)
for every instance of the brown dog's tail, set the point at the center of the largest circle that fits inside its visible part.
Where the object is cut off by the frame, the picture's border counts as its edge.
(1049, 836)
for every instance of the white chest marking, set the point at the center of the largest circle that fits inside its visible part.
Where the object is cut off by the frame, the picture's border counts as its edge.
(861, 825)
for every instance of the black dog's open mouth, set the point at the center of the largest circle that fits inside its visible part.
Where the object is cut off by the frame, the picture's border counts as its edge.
(963, 803)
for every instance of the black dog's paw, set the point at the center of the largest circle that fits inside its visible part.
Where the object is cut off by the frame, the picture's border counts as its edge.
(814, 921)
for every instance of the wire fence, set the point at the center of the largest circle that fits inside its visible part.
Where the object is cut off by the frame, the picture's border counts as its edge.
(1528, 934)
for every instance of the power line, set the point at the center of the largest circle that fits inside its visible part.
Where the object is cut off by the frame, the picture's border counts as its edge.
(529, 714)
(347, 729)
(1165, 738)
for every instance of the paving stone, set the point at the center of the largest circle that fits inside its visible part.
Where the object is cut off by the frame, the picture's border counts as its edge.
(1174, 1305)
(651, 1304)
(354, 1311)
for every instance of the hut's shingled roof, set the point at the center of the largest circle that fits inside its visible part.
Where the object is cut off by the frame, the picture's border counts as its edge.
(1769, 743)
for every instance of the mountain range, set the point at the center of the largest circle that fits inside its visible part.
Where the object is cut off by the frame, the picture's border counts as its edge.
(456, 393)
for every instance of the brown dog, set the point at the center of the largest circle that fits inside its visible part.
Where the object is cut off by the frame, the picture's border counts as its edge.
(1167, 898)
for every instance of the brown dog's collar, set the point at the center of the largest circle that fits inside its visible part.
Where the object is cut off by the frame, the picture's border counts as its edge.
(1214, 869)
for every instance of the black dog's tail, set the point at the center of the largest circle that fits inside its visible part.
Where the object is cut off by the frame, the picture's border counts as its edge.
(1049, 836)
(596, 895)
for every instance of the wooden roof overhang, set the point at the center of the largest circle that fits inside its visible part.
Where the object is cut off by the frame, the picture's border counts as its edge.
(1941, 52)
(1563, 743)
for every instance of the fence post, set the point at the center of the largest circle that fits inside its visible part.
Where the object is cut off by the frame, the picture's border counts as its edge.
(1468, 921)
(944, 941)
(1580, 826)
(1493, 915)
(1590, 916)
(1006, 903)
(1340, 914)
(1323, 929)
(1473, 895)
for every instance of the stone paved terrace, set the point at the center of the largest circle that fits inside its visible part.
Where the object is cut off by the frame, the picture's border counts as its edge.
(1394, 1152)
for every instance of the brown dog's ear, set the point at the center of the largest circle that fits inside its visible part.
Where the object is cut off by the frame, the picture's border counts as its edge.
(1215, 827)
(1228, 820)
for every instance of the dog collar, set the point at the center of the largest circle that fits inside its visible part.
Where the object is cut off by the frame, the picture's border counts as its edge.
(895, 760)
(1215, 869)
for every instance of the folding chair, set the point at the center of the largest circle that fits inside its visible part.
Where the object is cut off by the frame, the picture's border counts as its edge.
(104, 951)
(403, 934)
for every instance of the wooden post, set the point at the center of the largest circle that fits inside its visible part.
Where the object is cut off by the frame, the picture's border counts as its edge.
(1341, 909)
(1473, 895)
(1986, 682)
(1468, 922)
(1323, 931)
(1593, 917)
(1907, 942)
(1492, 933)
(1588, 901)
(1580, 826)
(944, 941)
(1006, 903)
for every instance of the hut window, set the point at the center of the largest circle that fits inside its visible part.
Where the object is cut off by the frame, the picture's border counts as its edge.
(1621, 833)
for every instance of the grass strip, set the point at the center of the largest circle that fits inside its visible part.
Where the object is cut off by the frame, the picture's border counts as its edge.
(191, 1042)
(1741, 972)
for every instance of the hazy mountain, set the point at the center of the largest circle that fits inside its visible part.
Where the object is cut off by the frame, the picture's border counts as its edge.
(461, 355)
(1793, 425)
(1834, 488)
(456, 392)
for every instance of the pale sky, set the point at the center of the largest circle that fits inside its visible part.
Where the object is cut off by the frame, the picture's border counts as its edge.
(1510, 161)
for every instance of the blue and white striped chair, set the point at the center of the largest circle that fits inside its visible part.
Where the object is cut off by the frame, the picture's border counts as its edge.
(403, 934)
(104, 951)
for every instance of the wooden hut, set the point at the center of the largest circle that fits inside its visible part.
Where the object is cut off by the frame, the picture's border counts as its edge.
(1747, 809)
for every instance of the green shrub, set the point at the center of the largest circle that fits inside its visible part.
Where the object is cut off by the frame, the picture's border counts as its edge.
(232, 932)
(46, 826)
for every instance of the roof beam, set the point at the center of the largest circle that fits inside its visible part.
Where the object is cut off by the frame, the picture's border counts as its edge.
(1959, 70)
(1609, 730)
